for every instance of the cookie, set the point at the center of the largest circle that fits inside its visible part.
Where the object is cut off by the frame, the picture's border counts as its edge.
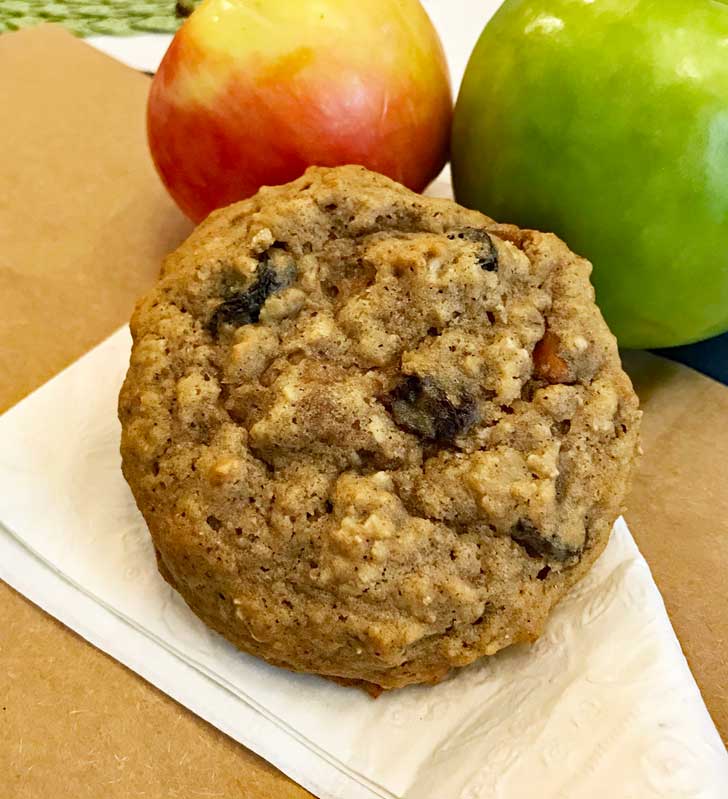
(374, 435)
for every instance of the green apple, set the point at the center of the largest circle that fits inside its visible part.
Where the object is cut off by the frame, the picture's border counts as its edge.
(606, 121)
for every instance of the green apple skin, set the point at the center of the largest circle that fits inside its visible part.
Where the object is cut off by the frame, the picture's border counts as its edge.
(606, 121)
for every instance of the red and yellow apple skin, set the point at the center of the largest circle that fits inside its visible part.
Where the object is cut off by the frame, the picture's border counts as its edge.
(251, 92)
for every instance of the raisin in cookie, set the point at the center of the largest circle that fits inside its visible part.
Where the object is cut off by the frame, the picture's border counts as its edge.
(374, 435)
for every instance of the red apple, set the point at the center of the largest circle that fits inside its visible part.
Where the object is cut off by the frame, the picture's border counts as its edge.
(251, 92)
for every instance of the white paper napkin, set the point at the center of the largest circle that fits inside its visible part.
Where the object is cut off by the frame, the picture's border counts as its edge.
(602, 706)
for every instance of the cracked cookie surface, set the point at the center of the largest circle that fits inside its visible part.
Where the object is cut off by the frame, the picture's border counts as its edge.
(374, 435)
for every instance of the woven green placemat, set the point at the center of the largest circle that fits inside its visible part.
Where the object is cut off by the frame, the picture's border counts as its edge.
(84, 18)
